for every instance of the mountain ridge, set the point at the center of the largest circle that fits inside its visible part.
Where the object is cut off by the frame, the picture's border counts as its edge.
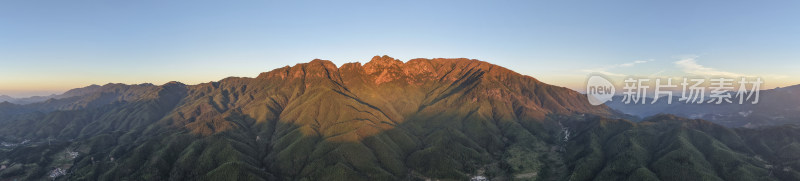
(384, 120)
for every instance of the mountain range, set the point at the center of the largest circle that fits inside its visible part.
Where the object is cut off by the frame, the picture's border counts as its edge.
(775, 107)
(424, 119)
(27, 100)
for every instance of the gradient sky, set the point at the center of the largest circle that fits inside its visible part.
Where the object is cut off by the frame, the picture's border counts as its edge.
(51, 46)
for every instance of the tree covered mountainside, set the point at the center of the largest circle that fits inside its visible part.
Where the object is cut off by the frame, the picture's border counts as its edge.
(447, 119)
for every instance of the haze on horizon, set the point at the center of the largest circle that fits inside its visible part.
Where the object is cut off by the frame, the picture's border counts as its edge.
(49, 47)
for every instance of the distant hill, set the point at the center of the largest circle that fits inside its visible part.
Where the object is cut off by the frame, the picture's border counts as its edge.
(776, 107)
(451, 119)
(27, 100)
(36, 99)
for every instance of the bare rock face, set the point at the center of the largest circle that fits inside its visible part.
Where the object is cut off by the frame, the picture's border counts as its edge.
(380, 64)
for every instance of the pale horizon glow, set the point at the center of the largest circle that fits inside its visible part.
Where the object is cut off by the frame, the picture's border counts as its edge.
(48, 47)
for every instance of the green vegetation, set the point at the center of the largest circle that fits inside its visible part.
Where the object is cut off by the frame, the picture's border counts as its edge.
(446, 119)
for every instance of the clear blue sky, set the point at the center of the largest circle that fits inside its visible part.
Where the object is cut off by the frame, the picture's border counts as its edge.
(51, 46)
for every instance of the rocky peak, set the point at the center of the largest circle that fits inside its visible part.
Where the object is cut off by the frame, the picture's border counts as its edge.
(381, 62)
(327, 64)
(174, 83)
